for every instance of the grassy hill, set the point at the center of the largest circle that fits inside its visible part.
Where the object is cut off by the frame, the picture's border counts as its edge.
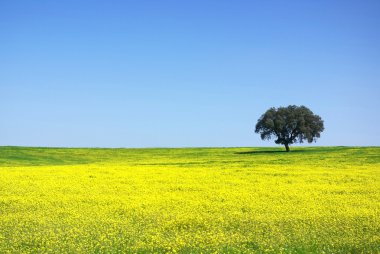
(190, 200)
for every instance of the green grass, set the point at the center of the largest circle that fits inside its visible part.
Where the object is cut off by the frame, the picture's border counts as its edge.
(191, 200)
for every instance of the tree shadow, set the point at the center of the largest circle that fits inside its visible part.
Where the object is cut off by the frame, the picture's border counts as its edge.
(272, 152)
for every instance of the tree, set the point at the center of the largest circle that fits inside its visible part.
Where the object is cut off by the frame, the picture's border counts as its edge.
(290, 125)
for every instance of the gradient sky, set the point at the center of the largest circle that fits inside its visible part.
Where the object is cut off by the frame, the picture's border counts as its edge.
(185, 73)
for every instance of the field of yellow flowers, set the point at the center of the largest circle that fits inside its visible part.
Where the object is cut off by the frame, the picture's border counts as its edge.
(191, 200)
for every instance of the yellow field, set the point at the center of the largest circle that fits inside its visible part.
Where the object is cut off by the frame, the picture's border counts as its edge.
(204, 200)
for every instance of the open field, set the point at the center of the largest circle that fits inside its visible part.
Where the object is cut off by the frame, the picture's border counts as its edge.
(235, 200)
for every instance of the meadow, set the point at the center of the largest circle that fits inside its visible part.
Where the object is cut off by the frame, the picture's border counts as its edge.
(190, 200)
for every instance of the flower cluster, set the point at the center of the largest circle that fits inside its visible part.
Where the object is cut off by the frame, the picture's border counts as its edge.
(206, 200)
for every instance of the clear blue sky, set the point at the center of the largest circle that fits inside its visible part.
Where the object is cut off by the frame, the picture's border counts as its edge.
(185, 73)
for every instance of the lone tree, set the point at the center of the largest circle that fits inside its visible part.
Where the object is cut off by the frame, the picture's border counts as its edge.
(289, 125)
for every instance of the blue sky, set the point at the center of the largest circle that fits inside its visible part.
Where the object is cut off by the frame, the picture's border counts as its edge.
(185, 73)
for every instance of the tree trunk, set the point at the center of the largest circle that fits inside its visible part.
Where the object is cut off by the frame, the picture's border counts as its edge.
(287, 147)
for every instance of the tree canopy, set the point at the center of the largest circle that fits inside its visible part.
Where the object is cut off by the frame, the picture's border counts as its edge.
(289, 125)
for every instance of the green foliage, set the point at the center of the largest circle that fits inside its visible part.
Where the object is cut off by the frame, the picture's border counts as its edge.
(289, 125)
(195, 200)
